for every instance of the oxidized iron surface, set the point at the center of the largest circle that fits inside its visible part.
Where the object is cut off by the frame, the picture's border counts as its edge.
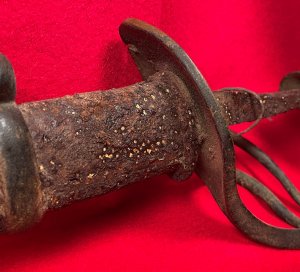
(57, 151)
(128, 135)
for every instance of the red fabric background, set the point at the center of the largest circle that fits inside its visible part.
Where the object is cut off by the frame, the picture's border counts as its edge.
(63, 47)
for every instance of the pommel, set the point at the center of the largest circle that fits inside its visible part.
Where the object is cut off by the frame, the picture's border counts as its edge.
(20, 196)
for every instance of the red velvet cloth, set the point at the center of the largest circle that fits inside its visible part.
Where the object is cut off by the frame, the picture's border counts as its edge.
(63, 47)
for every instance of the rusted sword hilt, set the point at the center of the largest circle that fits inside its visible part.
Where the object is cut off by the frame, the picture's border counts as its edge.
(57, 151)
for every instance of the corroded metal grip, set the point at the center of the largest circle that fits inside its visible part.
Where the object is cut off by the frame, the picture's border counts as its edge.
(57, 151)
(93, 143)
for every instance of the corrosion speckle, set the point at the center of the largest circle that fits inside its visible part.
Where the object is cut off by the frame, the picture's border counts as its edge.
(112, 135)
(90, 176)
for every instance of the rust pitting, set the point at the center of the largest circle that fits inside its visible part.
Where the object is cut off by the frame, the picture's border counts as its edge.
(144, 127)
(89, 144)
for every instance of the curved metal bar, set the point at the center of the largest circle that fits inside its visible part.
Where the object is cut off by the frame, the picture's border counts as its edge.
(265, 194)
(269, 164)
(260, 112)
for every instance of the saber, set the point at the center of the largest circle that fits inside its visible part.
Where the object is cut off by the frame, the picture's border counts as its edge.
(58, 151)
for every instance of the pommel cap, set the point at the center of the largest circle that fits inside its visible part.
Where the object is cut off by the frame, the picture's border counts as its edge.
(20, 194)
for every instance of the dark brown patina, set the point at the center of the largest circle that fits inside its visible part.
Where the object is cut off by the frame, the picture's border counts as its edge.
(93, 143)
(57, 151)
